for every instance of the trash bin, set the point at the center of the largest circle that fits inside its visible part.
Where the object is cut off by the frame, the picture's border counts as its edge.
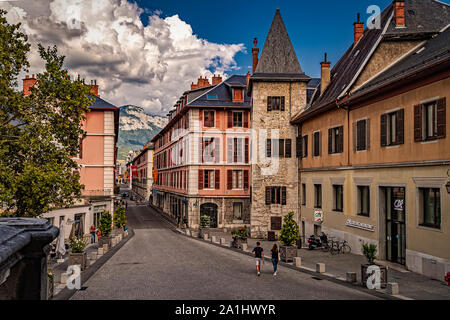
(271, 235)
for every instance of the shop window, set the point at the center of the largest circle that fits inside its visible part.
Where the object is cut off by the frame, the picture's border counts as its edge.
(430, 207)
(237, 210)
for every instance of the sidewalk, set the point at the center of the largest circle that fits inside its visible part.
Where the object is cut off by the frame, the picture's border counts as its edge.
(411, 285)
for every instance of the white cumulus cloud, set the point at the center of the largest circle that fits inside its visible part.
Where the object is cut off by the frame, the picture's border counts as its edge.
(148, 66)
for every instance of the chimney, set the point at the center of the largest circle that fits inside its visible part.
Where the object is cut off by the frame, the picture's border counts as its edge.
(399, 13)
(94, 88)
(216, 80)
(27, 84)
(201, 83)
(255, 52)
(358, 28)
(248, 78)
(325, 72)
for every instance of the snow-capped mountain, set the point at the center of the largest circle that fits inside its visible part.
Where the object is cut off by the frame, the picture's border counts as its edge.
(136, 128)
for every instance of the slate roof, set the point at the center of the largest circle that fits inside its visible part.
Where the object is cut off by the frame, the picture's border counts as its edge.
(99, 103)
(278, 59)
(223, 91)
(312, 89)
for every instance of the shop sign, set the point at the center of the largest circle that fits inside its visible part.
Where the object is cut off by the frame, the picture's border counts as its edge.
(359, 225)
(318, 215)
(134, 171)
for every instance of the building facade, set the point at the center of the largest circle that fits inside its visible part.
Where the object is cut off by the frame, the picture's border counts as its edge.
(142, 184)
(202, 157)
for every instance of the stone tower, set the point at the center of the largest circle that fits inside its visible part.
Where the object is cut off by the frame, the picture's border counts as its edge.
(278, 91)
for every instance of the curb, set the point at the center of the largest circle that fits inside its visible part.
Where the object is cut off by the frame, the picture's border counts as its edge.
(66, 294)
(322, 276)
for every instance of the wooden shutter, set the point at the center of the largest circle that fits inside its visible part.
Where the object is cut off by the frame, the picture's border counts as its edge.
(441, 118)
(418, 123)
(217, 150)
(298, 147)
(383, 129)
(229, 179)
(354, 134)
(288, 150)
(367, 134)
(200, 115)
(229, 150)
(200, 150)
(283, 196)
(400, 126)
(81, 148)
(305, 146)
(217, 179)
(340, 142)
(230, 119)
(246, 177)
(269, 148)
(246, 119)
(281, 148)
(316, 143)
(330, 141)
(282, 103)
(320, 143)
(268, 195)
(246, 151)
(235, 150)
(200, 179)
(269, 103)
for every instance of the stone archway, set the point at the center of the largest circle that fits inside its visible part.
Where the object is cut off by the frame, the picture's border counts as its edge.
(210, 210)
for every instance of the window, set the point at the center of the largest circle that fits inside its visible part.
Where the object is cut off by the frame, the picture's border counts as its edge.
(276, 195)
(275, 103)
(237, 119)
(430, 121)
(238, 95)
(237, 210)
(303, 194)
(236, 151)
(209, 150)
(336, 140)
(363, 201)
(430, 206)
(361, 135)
(208, 179)
(338, 198)
(392, 128)
(318, 196)
(275, 223)
(281, 148)
(238, 179)
(208, 119)
(317, 144)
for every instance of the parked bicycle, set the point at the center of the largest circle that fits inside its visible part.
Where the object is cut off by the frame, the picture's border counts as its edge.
(340, 247)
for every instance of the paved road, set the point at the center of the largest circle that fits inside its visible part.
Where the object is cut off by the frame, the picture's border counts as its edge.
(159, 263)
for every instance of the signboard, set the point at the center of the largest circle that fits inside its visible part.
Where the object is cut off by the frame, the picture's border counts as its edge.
(318, 215)
(359, 225)
(134, 171)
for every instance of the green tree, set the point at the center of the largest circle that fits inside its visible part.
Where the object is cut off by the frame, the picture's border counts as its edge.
(39, 133)
(289, 234)
(119, 217)
(105, 223)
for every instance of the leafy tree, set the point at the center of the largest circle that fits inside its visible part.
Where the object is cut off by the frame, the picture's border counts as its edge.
(39, 133)
(119, 217)
(105, 223)
(289, 234)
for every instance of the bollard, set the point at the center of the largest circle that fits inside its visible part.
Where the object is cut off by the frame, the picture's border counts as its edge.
(205, 236)
(392, 288)
(298, 261)
(64, 277)
(105, 248)
(125, 233)
(113, 242)
(99, 252)
(213, 239)
(93, 255)
(222, 241)
(320, 267)
(351, 277)
(244, 247)
(188, 233)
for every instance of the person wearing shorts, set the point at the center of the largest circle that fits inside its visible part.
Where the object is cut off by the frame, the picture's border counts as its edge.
(259, 257)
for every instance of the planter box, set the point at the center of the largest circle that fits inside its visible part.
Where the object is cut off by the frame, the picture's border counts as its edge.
(105, 240)
(78, 258)
(365, 276)
(288, 253)
(238, 242)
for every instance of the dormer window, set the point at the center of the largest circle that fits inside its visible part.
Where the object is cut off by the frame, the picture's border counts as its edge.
(238, 94)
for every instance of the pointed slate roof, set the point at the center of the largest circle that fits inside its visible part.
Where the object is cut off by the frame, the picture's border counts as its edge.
(278, 59)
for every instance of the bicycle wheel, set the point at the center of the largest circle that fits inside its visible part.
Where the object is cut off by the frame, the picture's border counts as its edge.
(334, 250)
(346, 249)
(325, 248)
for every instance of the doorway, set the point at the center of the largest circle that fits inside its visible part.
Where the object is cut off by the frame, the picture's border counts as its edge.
(210, 211)
(395, 228)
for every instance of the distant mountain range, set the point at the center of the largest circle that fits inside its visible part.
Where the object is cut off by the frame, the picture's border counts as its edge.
(136, 128)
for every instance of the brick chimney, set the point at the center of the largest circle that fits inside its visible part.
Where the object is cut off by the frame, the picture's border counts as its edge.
(28, 83)
(325, 72)
(201, 83)
(94, 88)
(255, 52)
(399, 13)
(216, 80)
(358, 29)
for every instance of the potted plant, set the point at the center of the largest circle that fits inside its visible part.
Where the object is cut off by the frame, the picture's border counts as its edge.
(120, 219)
(239, 237)
(289, 236)
(370, 252)
(204, 225)
(50, 284)
(105, 229)
(78, 254)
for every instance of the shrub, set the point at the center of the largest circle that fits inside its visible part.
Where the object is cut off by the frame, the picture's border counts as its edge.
(77, 245)
(105, 223)
(242, 233)
(289, 232)
(119, 217)
(369, 251)
(204, 221)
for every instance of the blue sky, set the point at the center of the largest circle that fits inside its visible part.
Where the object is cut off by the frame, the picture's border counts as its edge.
(314, 27)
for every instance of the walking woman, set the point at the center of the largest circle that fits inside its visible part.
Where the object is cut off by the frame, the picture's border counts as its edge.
(275, 258)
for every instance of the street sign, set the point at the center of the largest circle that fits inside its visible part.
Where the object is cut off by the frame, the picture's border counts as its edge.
(318, 215)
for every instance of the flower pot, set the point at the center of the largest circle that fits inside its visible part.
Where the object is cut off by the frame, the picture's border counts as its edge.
(237, 242)
(105, 240)
(78, 258)
(365, 276)
(288, 253)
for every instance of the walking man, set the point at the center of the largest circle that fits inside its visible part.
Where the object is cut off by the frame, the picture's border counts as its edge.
(259, 257)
